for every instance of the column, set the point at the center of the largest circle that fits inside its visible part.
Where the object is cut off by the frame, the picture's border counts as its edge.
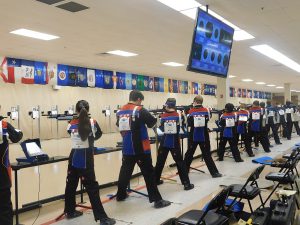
(287, 92)
(222, 92)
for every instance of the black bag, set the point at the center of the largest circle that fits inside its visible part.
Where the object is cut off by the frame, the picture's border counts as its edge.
(261, 216)
(283, 212)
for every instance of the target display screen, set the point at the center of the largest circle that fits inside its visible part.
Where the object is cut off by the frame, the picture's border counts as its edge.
(211, 46)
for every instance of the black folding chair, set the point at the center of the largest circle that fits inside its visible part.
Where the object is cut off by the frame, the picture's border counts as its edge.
(285, 176)
(211, 215)
(249, 190)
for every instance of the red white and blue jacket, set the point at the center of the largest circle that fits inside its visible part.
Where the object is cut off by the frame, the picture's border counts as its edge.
(255, 121)
(6, 131)
(242, 121)
(79, 157)
(228, 123)
(135, 139)
(201, 116)
(170, 126)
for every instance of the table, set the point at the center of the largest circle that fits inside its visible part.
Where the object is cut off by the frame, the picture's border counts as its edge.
(19, 166)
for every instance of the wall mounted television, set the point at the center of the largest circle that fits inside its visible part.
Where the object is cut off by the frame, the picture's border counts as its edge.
(211, 46)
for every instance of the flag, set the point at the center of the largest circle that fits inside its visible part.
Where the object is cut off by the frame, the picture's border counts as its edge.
(52, 73)
(239, 93)
(199, 88)
(108, 79)
(156, 84)
(140, 82)
(195, 88)
(162, 83)
(175, 86)
(170, 86)
(3, 70)
(128, 81)
(244, 94)
(121, 80)
(14, 70)
(62, 75)
(165, 83)
(115, 81)
(40, 73)
(99, 79)
(146, 83)
(91, 77)
(231, 92)
(72, 76)
(82, 77)
(134, 81)
(151, 83)
(180, 86)
(249, 93)
(28, 71)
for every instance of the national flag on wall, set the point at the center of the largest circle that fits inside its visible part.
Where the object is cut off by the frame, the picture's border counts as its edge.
(170, 86)
(156, 84)
(99, 78)
(175, 86)
(121, 80)
(255, 95)
(151, 83)
(27, 69)
(231, 92)
(140, 83)
(82, 77)
(3, 70)
(108, 79)
(128, 81)
(162, 83)
(52, 73)
(40, 73)
(199, 88)
(180, 87)
(115, 81)
(146, 83)
(244, 93)
(62, 75)
(239, 92)
(72, 76)
(14, 70)
(91, 77)
(134, 82)
(194, 88)
(249, 93)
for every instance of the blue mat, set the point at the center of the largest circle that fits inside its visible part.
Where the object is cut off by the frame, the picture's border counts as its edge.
(237, 206)
(263, 160)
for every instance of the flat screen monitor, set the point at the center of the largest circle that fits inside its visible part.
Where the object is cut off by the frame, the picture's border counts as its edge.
(211, 46)
(33, 149)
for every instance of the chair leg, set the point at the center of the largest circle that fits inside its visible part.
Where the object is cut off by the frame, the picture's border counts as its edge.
(250, 205)
(261, 200)
(274, 189)
(297, 172)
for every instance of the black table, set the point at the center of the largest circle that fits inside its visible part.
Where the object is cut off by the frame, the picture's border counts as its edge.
(18, 166)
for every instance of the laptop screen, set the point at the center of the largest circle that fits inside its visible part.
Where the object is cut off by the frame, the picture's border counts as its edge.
(33, 149)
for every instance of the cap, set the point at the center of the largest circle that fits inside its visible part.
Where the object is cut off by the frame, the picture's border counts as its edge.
(171, 102)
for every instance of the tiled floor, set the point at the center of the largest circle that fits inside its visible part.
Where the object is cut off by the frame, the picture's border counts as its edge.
(137, 210)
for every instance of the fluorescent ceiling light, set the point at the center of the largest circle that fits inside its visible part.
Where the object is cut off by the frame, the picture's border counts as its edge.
(247, 80)
(180, 5)
(260, 83)
(174, 64)
(293, 90)
(231, 76)
(190, 13)
(34, 34)
(271, 85)
(279, 87)
(277, 56)
(122, 53)
(240, 35)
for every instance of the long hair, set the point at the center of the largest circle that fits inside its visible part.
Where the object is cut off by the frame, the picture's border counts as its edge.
(84, 125)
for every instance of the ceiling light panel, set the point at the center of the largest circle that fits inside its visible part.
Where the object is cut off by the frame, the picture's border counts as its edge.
(277, 56)
(180, 5)
(173, 64)
(122, 53)
(34, 34)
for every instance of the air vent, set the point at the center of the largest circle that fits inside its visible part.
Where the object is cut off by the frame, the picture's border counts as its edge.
(72, 7)
(50, 2)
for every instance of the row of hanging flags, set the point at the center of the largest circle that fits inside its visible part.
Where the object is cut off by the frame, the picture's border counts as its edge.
(15, 70)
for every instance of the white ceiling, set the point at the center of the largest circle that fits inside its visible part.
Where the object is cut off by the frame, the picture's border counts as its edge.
(157, 33)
